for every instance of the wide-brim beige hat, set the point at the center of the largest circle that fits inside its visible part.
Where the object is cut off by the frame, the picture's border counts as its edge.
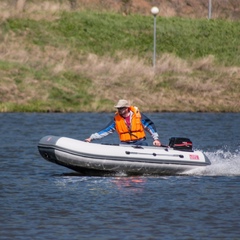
(122, 103)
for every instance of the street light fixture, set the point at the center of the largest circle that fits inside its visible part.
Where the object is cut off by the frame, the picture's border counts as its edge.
(154, 11)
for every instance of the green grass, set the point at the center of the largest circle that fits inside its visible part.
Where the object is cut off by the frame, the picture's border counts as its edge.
(108, 33)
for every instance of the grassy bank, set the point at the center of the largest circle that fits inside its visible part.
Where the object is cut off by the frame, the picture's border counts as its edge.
(86, 61)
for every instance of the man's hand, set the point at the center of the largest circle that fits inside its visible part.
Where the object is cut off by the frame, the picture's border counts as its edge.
(88, 140)
(157, 143)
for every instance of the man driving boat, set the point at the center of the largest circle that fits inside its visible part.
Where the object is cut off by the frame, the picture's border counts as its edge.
(130, 125)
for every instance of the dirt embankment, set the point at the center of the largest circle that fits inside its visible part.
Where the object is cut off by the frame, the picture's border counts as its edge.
(227, 9)
(187, 8)
(176, 84)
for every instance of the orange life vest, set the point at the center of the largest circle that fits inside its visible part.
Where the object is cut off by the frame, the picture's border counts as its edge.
(133, 132)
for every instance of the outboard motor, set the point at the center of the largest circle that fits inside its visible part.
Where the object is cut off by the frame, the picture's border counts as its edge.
(179, 143)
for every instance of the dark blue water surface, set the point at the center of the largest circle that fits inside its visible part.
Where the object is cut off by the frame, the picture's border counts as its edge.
(41, 200)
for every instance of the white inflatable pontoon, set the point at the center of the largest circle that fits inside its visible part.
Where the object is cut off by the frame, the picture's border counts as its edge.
(100, 159)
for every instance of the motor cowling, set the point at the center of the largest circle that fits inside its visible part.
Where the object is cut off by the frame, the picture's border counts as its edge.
(182, 144)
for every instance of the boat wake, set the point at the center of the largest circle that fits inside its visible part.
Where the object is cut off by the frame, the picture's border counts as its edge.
(224, 163)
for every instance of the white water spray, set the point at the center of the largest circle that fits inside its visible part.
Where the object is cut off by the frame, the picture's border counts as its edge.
(224, 163)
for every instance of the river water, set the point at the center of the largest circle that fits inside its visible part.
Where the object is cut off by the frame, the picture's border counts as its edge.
(41, 200)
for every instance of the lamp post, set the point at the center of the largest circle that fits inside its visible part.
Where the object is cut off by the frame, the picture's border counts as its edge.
(154, 11)
(209, 9)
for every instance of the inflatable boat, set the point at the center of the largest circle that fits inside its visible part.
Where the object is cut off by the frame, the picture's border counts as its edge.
(101, 159)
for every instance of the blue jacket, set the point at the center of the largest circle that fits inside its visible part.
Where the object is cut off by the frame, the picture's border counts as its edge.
(111, 127)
